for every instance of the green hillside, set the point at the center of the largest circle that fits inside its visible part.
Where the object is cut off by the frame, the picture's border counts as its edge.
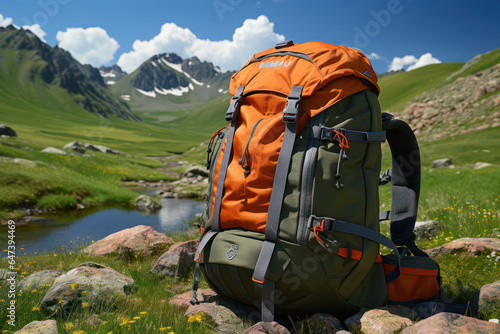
(398, 89)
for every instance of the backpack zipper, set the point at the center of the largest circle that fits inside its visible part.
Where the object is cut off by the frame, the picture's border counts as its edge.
(243, 162)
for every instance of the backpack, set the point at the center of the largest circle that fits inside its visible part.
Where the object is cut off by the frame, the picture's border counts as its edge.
(292, 217)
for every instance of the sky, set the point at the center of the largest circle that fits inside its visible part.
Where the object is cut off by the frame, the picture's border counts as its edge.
(394, 34)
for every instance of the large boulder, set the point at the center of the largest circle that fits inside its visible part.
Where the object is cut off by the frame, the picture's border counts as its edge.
(39, 279)
(451, 323)
(53, 150)
(126, 243)
(6, 131)
(177, 261)
(146, 203)
(388, 319)
(39, 327)
(473, 246)
(90, 282)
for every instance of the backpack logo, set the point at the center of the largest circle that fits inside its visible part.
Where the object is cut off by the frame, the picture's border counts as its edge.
(231, 253)
(273, 64)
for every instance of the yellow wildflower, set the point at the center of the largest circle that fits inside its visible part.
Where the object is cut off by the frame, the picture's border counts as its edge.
(136, 318)
(85, 304)
(74, 286)
(35, 309)
(67, 326)
(143, 313)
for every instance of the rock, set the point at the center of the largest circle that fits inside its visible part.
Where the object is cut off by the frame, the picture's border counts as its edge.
(39, 327)
(228, 315)
(80, 206)
(103, 286)
(488, 298)
(6, 274)
(26, 162)
(473, 246)
(33, 219)
(451, 323)
(7, 131)
(53, 150)
(427, 229)
(146, 203)
(389, 319)
(75, 146)
(93, 320)
(204, 296)
(163, 193)
(322, 323)
(100, 148)
(196, 171)
(429, 113)
(269, 328)
(126, 243)
(177, 261)
(44, 277)
(441, 163)
(481, 165)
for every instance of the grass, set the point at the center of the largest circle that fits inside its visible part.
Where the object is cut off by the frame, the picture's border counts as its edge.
(143, 311)
(62, 181)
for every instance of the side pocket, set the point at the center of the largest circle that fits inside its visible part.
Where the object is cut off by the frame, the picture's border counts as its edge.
(213, 150)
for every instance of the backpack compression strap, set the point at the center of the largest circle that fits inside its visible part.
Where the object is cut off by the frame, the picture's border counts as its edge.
(405, 181)
(265, 287)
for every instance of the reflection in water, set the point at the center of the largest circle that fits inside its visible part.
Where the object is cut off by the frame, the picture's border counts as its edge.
(69, 229)
(175, 211)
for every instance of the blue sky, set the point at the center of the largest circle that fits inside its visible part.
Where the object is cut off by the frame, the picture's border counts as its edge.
(394, 33)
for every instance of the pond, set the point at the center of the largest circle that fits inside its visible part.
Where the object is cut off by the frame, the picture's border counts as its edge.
(83, 226)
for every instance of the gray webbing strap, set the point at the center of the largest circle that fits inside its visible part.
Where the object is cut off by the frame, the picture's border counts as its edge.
(290, 117)
(232, 116)
(267, 313)
(330, 225)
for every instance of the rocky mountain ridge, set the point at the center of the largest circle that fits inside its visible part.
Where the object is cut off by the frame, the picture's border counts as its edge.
(469, 103)
(111, 74)
(55, 66)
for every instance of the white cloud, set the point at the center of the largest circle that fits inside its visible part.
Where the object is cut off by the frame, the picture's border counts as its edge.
(398, 62)
(424, 60)
(253, 36)
(89, 46)
(374, 55)
(37, 30)
(5, 21)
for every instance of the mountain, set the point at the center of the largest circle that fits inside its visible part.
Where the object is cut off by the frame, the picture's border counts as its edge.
(167, 82)
(111, 74)
(25, 59)
(389, 73)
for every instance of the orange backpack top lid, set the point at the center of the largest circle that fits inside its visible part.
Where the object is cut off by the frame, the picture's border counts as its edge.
(324, 70)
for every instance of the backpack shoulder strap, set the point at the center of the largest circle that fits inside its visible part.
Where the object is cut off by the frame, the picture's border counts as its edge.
(405, 181)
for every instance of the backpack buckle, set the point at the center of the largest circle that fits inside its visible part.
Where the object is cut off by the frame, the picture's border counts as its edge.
(236, 101)
(325, 224)
(291, 111)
